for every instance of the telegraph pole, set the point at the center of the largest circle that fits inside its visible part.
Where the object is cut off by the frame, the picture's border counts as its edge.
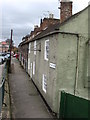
(11, 48)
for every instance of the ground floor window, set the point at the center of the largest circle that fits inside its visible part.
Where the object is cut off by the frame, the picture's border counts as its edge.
(31, 71)
(44, 83)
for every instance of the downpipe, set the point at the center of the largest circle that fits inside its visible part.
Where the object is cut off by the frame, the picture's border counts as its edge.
(77, 60)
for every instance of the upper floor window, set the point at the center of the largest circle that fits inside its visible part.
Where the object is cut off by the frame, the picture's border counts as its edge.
(34, 47)
(33, 67)
(28, 63)
(29, 47)
(46, 54)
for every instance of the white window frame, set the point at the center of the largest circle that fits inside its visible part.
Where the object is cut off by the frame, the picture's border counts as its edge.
(28, 63)
(31, 71)
(44, 83)
(33, 67)
(45, 52)
(34, 47)
(29, 47)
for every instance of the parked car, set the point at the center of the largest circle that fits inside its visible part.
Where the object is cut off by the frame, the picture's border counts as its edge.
(15, 55)
(0, 60)
(2, 57)
(8, 55)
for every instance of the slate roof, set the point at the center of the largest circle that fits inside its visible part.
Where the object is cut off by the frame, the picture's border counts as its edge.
(46, 31)
(53, 28)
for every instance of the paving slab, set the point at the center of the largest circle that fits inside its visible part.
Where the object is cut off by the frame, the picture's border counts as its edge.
(26, 101)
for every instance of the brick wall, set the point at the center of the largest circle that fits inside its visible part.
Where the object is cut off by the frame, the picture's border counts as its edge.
(47, 22)
(65, 10)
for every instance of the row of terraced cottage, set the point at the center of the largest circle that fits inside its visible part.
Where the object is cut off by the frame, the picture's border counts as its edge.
(56, 55)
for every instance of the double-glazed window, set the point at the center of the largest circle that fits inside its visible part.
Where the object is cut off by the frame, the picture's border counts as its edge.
(46, 54)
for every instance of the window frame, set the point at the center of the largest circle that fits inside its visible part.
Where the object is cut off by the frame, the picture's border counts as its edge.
(44, 83)
(29, 47)
(33, 67)
(28, 63)
(35, 47)
(45, 51)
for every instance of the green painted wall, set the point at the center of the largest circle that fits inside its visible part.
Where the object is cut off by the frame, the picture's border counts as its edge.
(64, 49)
(66, 64)
(79, 25)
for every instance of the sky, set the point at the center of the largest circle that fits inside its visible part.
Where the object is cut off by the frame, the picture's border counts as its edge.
(22, 15)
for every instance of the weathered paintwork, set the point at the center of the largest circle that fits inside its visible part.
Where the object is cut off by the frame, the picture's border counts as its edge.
(80, 26)
(68, 52)
(61, 50)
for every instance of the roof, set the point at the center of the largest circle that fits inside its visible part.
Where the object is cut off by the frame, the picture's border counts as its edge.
(46, 32)
(53, 28)
(3, 43)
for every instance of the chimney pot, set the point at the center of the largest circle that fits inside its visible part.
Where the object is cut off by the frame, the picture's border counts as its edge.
(51, 15)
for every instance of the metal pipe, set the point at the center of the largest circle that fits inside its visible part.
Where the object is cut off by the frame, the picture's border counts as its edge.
(77, 59)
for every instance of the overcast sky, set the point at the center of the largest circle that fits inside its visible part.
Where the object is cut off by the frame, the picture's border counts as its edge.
(22, 15)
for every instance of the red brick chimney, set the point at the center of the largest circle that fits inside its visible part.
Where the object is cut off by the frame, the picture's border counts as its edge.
(66, 10)
(46, 22)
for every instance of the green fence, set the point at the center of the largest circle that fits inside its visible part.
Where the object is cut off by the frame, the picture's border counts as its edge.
(6, 67)
(74, 107)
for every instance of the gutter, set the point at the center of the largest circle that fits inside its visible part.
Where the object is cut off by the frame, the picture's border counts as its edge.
(51, 33)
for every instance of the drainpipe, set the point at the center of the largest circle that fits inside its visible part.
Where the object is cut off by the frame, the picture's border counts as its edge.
(77, 60)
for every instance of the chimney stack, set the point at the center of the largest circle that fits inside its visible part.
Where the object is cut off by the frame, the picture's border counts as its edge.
(66, 10)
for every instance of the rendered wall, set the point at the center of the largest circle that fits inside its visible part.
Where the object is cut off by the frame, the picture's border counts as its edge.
(79, 24)
(62, 54)
(42, 66)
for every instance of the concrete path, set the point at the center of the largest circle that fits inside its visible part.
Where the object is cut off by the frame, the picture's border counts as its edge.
(25, 99)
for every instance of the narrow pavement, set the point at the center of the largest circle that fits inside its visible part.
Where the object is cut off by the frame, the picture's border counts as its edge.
(25, 99)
